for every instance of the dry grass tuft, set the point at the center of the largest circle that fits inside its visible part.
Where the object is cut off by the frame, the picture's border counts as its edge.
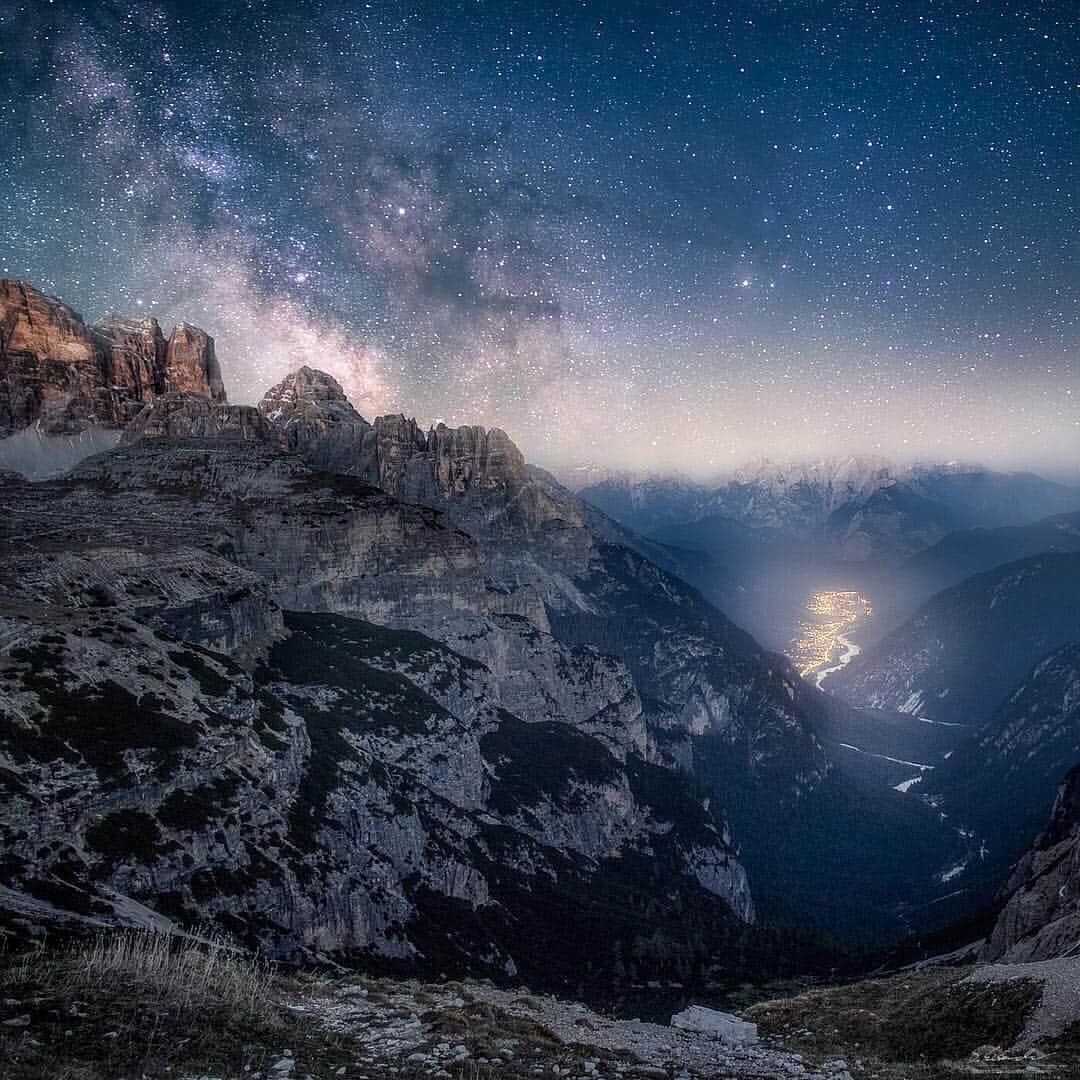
(180, 973)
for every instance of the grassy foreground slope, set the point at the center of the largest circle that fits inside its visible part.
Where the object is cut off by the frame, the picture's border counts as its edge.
(141, 1004)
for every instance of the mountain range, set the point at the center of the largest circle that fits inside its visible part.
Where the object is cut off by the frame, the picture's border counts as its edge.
(364, 692)
(858, 508)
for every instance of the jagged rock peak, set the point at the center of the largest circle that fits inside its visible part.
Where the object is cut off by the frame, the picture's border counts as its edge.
(491, 454)
(64, 376)
(314, 417)
(491, 449)
(308, 388)
(430, 467)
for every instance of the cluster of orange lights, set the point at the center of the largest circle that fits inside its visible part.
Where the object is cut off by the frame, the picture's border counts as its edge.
(833, 612)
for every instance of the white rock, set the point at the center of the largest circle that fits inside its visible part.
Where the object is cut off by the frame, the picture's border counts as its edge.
(720, 1025)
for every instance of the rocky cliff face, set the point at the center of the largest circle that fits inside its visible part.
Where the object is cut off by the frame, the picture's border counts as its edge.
(52, 365)
(535, 543)
(329, 543)
(178, 416)
(66, 377)
(477, 476)
(1041, 916)
(135, 352)
(371, 792)
(191, 365)
(586, 681)
(181, 590)
(712, 701)
(363, 796)
(315, 419)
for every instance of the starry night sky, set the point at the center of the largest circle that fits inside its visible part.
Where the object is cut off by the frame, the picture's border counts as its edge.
(675, 236)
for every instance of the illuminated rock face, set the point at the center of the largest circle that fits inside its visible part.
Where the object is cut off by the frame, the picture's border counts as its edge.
(478, 476)
(191, 365)
(66, 377)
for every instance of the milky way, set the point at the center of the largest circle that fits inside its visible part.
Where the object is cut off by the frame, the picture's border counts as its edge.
(669, 235)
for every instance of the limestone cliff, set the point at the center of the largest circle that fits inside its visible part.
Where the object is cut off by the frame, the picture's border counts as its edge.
(65, 376)
(478, 476)
(362, 797)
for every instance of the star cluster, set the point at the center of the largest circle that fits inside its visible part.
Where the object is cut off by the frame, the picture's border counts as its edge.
(665, 235)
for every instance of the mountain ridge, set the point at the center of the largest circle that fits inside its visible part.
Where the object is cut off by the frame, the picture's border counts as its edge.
(862, 507)
(449, 534)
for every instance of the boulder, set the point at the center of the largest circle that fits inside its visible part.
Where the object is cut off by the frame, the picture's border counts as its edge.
(719, 1025)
